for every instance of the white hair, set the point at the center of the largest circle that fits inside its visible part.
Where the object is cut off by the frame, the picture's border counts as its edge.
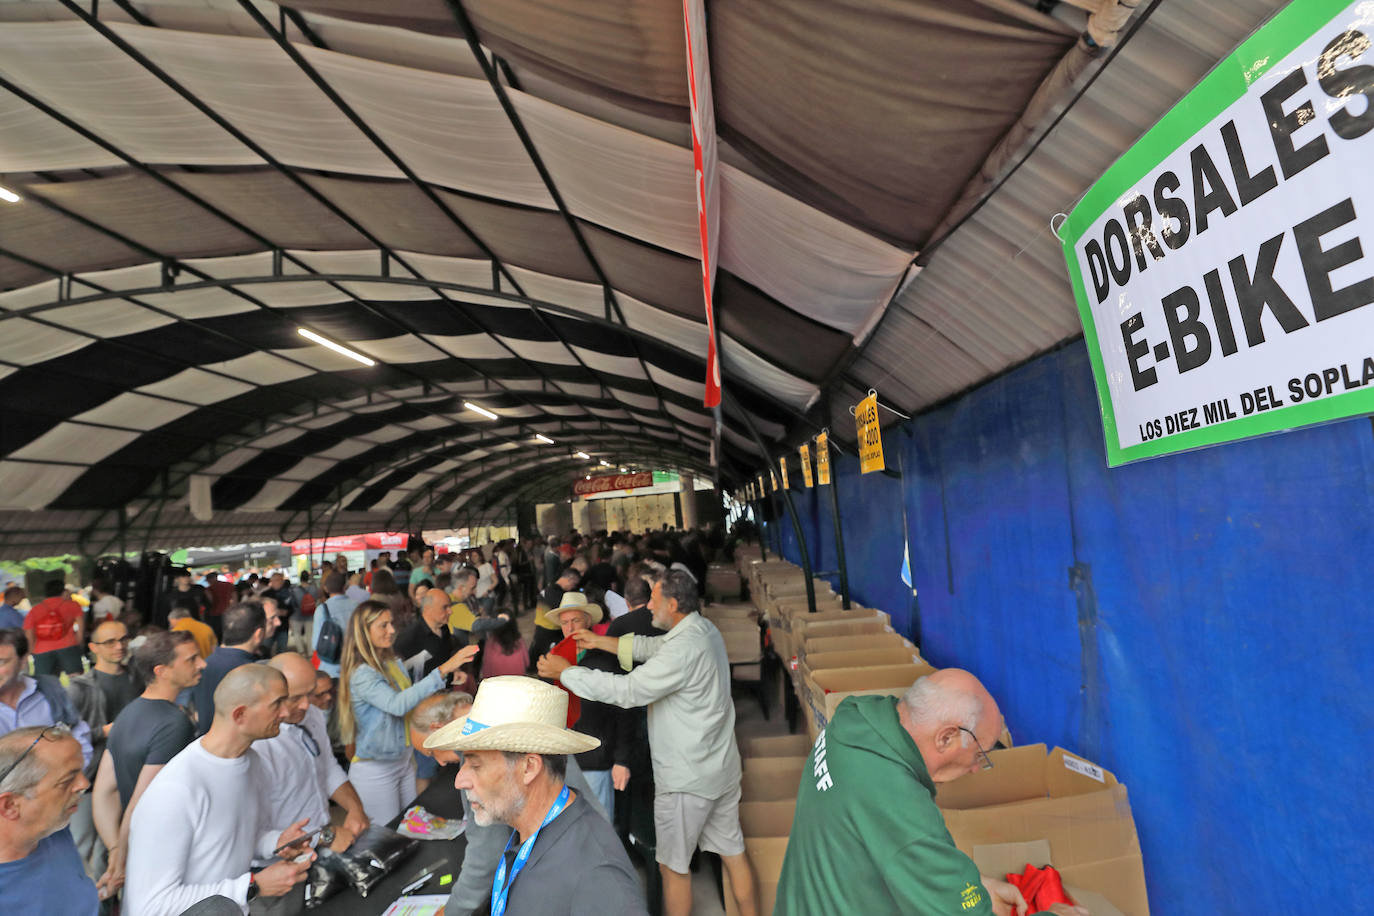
(932, 705)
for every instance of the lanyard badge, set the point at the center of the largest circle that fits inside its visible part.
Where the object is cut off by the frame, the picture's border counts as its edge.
(500, 888)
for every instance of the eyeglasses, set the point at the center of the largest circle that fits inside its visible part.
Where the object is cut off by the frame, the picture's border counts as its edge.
(57, 730)
(308, 740)
(982, 754)
(111, 642)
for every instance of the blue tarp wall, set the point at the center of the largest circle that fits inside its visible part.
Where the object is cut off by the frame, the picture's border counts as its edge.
(1193, 623)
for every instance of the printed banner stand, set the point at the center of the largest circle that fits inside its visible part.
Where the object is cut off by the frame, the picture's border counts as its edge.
(870, 435)
(804, 453)
(823, 458)
(1224, 265)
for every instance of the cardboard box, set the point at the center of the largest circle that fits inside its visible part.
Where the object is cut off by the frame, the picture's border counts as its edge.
(1077, 808)
(775, 746)
(830, 686)
(815, 642)
(861, 627)
(770, 818)
(766, 855)
(800, 620)
(859, 658)
(771, 778)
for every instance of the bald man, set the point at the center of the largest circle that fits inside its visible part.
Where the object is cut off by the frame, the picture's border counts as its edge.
(867, 837)
(205, 818)
(304, 775)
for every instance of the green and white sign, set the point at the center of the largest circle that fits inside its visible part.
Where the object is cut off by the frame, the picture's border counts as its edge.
(1224, 266)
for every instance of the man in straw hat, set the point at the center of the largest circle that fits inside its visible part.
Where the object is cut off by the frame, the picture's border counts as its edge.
(562, 856)
(684, 679)
(608, 766)
(472, 887)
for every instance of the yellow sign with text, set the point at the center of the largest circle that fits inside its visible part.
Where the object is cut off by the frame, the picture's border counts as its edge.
(870, 436)
(804, 452)
(823, 459)
(782, 469)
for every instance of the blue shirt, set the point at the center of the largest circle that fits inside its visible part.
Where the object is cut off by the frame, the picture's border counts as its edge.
(338, 609)
(33, 709)
(50, 880)
(10, 617)
(221, 662)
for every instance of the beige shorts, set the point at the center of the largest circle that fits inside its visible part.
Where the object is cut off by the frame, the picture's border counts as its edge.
(684, 822)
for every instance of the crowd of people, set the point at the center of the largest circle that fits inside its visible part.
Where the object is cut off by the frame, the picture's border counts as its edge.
(203, 766)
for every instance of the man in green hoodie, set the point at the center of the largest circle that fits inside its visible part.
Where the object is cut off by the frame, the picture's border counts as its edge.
(867, 837)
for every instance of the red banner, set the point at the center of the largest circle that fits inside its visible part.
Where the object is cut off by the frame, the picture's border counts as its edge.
(381, 540)
(608, 482)
(704, 158)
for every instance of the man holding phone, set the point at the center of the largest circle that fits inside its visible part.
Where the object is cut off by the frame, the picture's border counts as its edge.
(201, 822)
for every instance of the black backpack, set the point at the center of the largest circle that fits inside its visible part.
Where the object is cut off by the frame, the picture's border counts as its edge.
(329, 645)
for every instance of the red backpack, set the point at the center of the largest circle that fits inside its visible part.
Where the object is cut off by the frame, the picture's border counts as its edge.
(53, 625)
(307, 605)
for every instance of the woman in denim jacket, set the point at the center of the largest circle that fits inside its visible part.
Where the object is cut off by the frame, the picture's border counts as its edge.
(375, 696)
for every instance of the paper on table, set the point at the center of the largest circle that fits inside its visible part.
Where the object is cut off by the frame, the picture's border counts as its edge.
(421, 905)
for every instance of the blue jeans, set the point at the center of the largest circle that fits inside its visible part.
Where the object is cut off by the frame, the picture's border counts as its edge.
(600, 783)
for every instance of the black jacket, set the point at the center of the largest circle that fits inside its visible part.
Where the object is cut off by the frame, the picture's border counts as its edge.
(613, 725)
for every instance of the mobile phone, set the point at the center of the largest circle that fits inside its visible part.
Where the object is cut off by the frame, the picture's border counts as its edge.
(296, 842)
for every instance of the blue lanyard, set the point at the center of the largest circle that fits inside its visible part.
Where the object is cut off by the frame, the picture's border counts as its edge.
(500, 890)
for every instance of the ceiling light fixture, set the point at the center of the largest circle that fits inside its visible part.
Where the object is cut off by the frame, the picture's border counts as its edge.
(9, 196)
(624, 470)
(482, 410)
(584, 456)
(336, 347)
(543, 438)
(605, 463)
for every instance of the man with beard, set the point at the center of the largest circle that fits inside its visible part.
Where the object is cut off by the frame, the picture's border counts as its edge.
(562, 858)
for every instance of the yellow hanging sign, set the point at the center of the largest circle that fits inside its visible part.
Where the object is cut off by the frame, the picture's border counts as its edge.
(870, 436)
(805, 453)
(773, 478)
(782, 469)
(823, 459)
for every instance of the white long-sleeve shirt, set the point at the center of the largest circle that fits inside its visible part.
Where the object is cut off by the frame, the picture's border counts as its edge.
(685, 682)
(303, 772)
(196, 831)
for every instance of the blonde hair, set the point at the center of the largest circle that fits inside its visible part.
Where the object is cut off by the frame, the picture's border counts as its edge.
(358, 650)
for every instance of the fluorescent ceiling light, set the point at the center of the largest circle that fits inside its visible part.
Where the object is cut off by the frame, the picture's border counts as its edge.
(336, 347)
(9, 196)
(543, 438)
(584, 456)
(605, 463)
(623, 471)
(482, 410)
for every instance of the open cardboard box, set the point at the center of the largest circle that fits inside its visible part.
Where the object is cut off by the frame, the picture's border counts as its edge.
(817, 643)
(864, 626)
(859, 658)
(1076, 807)
(806, 622)
(771, 778)
(775, 746)
(830, 686)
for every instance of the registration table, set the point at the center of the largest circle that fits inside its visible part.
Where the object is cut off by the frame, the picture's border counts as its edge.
(438, 798)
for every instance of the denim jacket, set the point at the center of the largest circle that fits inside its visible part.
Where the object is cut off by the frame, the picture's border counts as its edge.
(379, 711)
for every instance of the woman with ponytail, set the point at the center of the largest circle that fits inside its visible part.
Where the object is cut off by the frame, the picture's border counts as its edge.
(375, 696)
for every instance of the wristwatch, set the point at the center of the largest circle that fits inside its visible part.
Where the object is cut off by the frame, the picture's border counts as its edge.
(326, 837)
(253, 889)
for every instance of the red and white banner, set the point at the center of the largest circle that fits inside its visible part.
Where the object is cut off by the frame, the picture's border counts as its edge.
(708, 194)
(381, 540)
(608, 482)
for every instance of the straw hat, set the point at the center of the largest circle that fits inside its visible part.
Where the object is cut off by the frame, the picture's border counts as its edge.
(514, 713)
(574, 601)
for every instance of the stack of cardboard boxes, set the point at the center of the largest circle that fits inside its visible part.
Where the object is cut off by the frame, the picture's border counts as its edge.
(723, 582)
(768, 798)
(1033, 807)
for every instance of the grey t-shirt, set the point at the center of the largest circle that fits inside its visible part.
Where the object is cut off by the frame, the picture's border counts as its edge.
(147, 733)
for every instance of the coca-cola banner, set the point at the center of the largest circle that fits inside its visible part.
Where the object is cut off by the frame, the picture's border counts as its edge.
(381, 540)
(607, 482)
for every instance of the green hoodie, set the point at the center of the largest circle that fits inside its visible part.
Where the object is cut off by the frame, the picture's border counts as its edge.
(867, 837)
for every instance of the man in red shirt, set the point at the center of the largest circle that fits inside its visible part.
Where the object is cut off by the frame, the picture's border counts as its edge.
(55, 627)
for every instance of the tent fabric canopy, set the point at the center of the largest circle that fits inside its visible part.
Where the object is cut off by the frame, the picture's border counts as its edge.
(197, 185)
